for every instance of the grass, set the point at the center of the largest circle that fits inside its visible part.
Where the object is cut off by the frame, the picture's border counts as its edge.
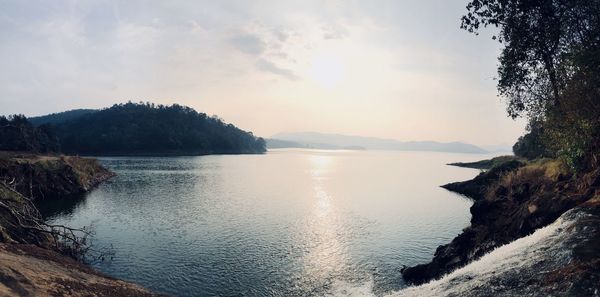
(487, 164)
(60, 173)
(539, 172)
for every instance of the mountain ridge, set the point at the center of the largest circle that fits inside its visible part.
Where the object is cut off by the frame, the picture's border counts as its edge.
(332, 141)
(147, 129)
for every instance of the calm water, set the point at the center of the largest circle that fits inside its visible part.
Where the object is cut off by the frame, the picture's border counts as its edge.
(287, 223)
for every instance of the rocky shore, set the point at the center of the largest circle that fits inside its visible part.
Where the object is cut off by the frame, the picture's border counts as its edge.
(512, 200)
(560, 259)
(40, 259)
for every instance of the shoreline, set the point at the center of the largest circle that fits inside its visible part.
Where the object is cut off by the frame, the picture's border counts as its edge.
(504, 212)
(557, 260)
(29, 270)
(511, 201)
(40, 259)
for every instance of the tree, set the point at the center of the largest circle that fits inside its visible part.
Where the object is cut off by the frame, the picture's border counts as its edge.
(549, 67)
(18, 134)
(148, 129)
(531, 145)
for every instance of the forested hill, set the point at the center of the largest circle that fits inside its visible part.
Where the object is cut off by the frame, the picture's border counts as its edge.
(148, 129)
(60, 117)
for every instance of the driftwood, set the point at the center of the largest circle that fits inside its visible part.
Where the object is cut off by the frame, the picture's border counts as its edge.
(26, 225)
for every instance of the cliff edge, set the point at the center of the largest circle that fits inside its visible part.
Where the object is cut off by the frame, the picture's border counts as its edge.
(39, 259)
(511, 201)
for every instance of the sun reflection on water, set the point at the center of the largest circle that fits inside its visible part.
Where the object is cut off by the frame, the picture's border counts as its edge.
(320, 167)
(325, 255)
(323, 202)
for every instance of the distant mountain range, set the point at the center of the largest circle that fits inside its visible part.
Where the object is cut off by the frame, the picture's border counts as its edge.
(274, 143)
(313, 140)
(336, 141)
(498, 148)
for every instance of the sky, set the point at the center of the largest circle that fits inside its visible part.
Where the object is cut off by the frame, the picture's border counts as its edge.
(400, 69)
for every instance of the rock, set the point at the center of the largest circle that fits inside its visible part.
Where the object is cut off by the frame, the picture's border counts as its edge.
(561, 260)
(477, 187)
(507, 207)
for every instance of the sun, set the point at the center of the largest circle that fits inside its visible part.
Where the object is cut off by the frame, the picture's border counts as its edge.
(327, 70)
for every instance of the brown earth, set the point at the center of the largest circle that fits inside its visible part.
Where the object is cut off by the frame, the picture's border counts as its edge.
(50, 176)
(28, 270)
(510, 203)
(37, 259)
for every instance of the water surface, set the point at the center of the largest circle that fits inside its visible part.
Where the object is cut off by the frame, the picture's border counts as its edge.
(287, 223)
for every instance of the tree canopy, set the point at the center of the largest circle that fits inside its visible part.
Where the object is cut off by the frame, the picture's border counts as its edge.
(148, 129)
(18, 134)
(128, 129)
(549, 68)
(60, 117)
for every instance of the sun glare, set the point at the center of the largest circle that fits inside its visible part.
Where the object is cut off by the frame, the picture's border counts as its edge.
(327, 71)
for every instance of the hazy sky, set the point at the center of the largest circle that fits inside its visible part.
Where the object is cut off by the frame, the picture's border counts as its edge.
(396, 69)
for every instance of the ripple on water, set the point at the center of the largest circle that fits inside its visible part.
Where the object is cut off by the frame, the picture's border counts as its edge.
(291, 223)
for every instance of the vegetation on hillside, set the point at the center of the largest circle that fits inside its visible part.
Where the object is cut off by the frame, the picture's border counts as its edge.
(145, 128)
(59, 117)
(478, 186)
(127, 129)
(18, 134)
(549, 72)
(487, 164)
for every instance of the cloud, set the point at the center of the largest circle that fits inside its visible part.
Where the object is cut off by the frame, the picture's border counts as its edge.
(194, 51)
(281, 35)
(268, 66)
(334, 32)
(248, 43)
(134, 37)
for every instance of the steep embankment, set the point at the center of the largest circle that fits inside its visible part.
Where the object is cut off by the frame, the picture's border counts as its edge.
(558, 260)
(28, 270)
(44, 176)
(512, 201)
(477, 187)
(34, 254)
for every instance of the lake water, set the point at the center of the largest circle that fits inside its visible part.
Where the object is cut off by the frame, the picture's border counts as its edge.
(286, 223)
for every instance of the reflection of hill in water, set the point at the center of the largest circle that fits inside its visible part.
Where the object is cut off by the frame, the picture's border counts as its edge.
(63, 206)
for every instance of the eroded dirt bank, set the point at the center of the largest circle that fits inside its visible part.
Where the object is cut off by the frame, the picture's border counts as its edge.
(28, 270)
(512, 200)
(560, 259)
(37, 259)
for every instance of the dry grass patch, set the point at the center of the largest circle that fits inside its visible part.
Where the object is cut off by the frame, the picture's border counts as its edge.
(535, 174)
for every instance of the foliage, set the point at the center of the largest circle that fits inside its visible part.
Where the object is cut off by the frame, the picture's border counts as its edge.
(18, 134)
(487, 164)
(534, 174)
(60, 117)
(531, 145)
(549, 68)
(145, 128)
